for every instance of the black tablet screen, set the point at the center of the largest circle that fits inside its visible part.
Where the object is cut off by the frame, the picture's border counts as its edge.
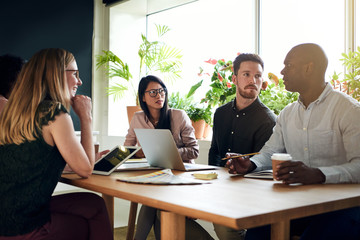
(113, 158)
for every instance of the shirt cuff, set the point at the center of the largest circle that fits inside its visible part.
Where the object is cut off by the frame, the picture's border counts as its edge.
(331, 175)
(259, 167)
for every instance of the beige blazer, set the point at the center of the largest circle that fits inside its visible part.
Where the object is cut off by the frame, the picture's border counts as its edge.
(181, 129)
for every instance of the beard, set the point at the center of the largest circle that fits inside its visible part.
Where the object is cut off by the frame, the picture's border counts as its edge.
(248, 95)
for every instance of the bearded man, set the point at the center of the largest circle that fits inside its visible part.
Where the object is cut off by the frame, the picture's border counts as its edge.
(242, 125)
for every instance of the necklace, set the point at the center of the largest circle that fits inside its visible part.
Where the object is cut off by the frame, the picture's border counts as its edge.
(154, 122)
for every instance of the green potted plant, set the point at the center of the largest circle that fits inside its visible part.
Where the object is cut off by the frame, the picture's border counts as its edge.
(155, 56)
(198, 114)
(222, 89)
(350, 84)
(201, 117)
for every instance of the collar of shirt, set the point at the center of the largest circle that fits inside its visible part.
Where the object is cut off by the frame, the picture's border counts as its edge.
(327, 90)
(252, 107)
(148, 122)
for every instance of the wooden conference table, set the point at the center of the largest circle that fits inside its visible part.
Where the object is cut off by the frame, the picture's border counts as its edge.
(232, 201)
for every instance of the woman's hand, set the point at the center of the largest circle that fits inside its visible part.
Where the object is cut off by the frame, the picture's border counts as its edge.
(82, 106)
(140, 154)
(99, 155)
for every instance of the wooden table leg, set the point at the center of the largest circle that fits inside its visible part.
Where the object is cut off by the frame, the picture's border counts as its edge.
(109, 202)
(131, 221)
(172, 226)
(280, 230)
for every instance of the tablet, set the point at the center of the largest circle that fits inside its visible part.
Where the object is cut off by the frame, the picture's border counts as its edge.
(111, 161)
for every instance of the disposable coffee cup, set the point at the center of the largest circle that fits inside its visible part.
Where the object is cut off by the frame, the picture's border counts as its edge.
(96, 145)
(278, 158)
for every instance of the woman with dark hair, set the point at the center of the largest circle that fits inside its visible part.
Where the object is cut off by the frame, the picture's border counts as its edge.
(10, 67)
(153, 98)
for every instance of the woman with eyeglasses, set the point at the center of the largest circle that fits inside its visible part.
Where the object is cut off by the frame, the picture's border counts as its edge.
(156, 114)
(153, 99)
(37, 139)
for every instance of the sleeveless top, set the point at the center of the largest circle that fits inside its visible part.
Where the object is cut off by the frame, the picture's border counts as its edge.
(29, 173)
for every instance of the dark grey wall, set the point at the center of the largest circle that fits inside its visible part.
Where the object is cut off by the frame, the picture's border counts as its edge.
(28, 26)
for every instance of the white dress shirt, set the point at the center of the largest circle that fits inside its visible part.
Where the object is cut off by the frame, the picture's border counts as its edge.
(326, 135)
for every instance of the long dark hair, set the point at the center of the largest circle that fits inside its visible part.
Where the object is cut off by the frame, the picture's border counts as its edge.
(10, 67)
(164, 121)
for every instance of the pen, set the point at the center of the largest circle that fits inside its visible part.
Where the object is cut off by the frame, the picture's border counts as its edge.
(244, 155)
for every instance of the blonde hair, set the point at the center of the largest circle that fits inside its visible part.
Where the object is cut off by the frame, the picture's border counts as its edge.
(43, 77)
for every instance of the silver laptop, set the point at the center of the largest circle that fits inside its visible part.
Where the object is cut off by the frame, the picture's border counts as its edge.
(160, 150)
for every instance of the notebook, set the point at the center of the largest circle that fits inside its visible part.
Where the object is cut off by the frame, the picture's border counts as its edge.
(265, 174)
(160, 150)
(111, 161)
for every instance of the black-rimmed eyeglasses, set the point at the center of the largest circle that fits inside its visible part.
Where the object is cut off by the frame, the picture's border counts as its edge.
(155, 92)
(77, 74)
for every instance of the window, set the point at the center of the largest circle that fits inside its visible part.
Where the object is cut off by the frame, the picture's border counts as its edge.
(286, 23)
(202, 30)
(215, 29)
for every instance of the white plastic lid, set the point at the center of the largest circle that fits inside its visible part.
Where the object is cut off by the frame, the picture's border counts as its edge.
(281, 156)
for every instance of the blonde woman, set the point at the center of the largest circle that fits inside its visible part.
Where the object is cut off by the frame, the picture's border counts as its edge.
(37, 139)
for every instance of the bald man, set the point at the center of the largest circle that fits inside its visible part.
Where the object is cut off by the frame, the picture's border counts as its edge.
(321, 132)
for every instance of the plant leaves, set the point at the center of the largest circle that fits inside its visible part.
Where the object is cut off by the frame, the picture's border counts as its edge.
(194, 88)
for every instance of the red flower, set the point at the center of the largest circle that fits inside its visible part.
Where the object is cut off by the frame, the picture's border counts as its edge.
(211, 61)
(220, 77)
(264, 85)
(200, 74)
(203, 99)
(228, 85)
